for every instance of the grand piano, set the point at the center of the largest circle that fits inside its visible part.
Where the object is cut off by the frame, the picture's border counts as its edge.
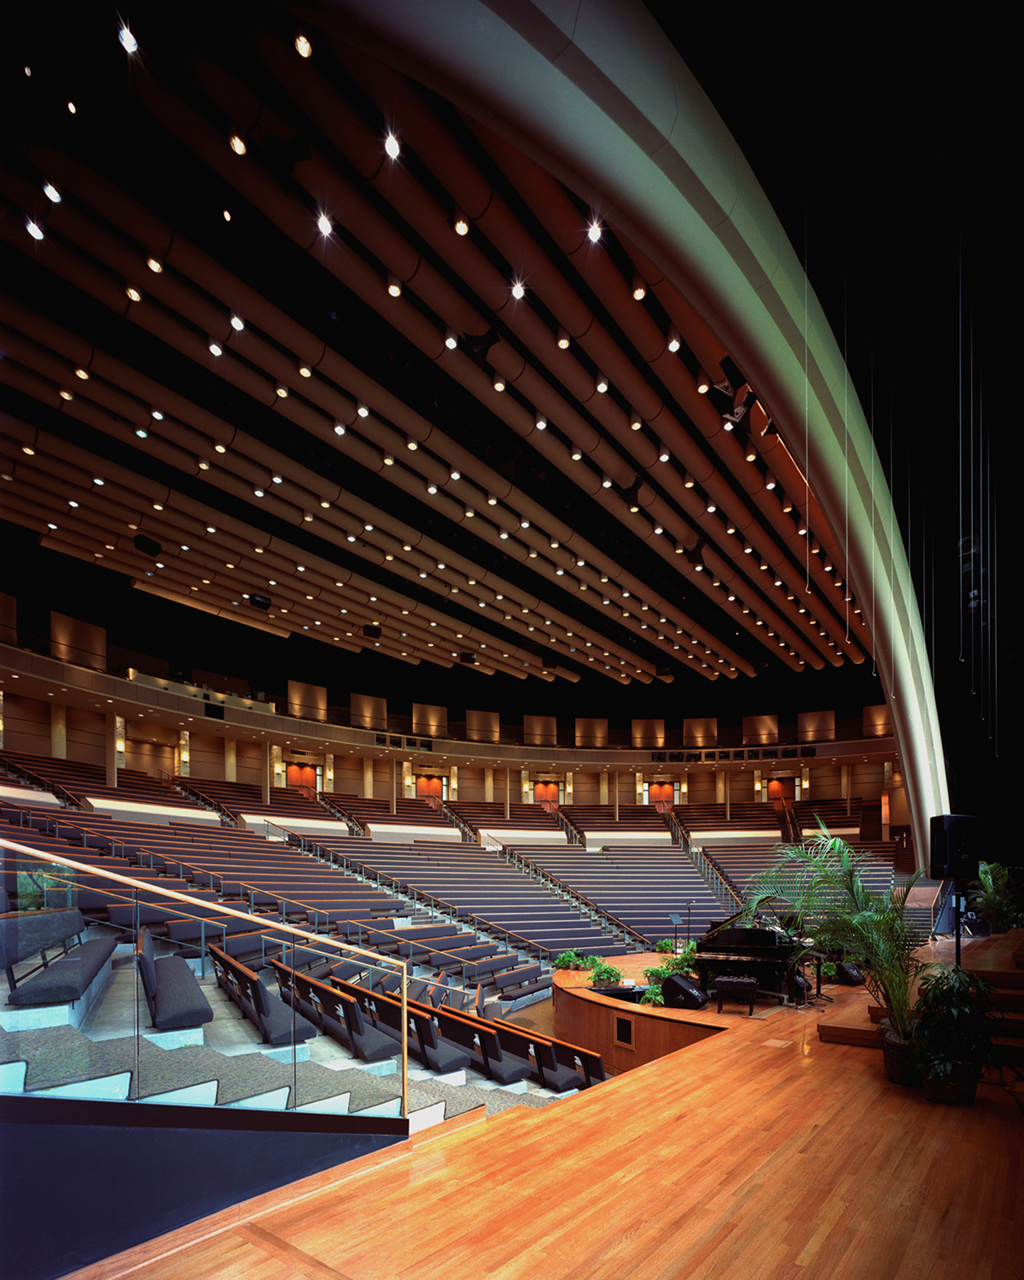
(765, 954)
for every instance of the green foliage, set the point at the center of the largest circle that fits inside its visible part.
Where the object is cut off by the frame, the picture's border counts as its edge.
(997, 900)
(952, 1022)
(657, 974)
(605, 975)
(653, 996)
(664, 945)
(567, 959)
(686, 961)
(591, 962)
(821, 883)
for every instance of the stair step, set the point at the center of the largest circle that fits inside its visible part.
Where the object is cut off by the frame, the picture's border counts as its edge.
(273, 1100)
(12, 1076)
(391, 1109)
(336, 1106)
(192, 1095)
(426, 1117)
(112, 1088)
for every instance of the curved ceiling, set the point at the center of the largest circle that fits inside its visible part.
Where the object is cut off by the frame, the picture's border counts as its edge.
(472, 341)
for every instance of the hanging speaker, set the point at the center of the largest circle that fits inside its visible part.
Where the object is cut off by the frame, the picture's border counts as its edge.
(146, 545)
(956, 846)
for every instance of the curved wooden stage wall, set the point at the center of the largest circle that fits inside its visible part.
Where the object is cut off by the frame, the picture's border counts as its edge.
(585, 1017)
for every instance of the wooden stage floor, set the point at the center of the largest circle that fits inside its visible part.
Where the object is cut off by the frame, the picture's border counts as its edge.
(759, 1154)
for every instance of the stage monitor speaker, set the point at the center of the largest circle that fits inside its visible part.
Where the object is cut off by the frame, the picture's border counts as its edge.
(849, 975)
(680, 993)
(956, 846)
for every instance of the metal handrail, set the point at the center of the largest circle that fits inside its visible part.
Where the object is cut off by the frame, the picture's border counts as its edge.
(148, 886)
(37, 780)
(355, 828)
(467, 831)
(711, 873)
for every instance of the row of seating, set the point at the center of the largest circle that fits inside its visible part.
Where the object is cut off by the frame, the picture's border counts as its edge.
(82, 780)
(443, 1038)
(742, 860)
(484, 816)
(640, 886)
(481, 886)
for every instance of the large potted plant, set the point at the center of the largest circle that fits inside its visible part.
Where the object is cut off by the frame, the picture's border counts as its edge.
(952, 1034)
(821, 882)
(996, 898)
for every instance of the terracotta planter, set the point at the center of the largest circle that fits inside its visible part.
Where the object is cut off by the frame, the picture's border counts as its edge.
(955, 1090)
(900, 1061)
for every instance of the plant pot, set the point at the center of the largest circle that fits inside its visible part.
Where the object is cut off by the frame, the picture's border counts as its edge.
(900, 1060)
(957, 1089)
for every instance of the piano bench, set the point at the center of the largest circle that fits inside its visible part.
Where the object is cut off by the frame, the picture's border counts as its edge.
(742, 989)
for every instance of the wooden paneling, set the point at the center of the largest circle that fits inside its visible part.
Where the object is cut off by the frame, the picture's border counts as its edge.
(308, 701)
(26, 725)
(816, 726)
(87, 735)
(482, 726)
(429, 721)
(585, 1017)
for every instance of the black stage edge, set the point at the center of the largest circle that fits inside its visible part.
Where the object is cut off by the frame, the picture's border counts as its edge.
(80, 1181)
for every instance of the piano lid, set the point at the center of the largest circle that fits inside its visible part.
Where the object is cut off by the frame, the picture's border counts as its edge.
(726, 935)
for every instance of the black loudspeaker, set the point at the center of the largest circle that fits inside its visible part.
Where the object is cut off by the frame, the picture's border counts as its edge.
(680, 993)
(260, 602)
(803, 992)
(956, 846)
(371, 631)
(849, 975)
(146, 545)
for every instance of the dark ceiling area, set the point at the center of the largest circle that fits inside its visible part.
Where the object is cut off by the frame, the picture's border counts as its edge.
(582, 548)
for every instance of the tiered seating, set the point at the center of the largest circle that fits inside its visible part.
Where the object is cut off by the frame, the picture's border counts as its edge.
(833, 814)
(136, 791)
(639, 886)
(704, 820)
(288, 807)
(478, 885)
(525, 822)
(441, 1036)
(743, 859)
(410, 819)
(636, 824)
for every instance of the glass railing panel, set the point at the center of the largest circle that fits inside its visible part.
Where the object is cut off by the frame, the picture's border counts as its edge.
(179, 1001)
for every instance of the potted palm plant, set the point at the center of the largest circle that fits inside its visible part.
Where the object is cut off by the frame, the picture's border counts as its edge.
(996, 899)
(952, 1034)
(821, 881)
